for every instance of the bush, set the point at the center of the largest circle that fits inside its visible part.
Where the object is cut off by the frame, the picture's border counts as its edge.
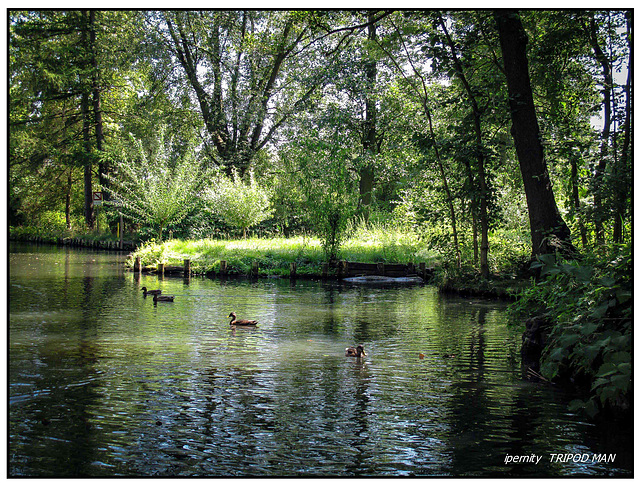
(240, 205)
(589, 304)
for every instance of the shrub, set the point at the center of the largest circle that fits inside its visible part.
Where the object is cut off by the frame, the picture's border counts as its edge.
(589, 304)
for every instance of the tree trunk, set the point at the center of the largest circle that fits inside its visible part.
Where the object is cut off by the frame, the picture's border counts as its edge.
(623, 167)
(95, 88)
(67, 201)
(607, 85)
(369, 142)
(549, 232)
(86, 139)
(575, 200)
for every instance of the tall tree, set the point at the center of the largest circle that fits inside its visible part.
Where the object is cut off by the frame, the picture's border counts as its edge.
(249, 71)
(479, 150)
(370, 143)
(549, 232)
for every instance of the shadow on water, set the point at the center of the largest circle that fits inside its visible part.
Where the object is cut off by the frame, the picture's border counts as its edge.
(102, 382)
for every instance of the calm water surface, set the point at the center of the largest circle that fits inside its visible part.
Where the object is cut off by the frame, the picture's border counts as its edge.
(102, 382)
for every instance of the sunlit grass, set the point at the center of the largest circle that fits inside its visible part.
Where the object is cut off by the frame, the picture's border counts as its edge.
(274, 255)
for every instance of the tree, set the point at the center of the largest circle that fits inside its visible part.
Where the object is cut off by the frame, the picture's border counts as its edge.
(68, 73)
(155, 185)
(238, 204)
(417, 83)
(249, 70)
(549, 232)
(479, 150)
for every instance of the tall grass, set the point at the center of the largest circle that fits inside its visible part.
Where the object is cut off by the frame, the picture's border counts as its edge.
(368, 243)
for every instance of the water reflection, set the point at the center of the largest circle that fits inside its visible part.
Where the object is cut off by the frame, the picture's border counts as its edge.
(103, 383)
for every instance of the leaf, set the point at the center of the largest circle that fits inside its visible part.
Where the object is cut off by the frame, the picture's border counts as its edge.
(619, 357)
(575, 405)
(548, 259)
(607, 281)
(557, 354)
(607, 369)
(590, 352)
(600, 311)
(588, 328)
(591, 408)
(569, 340)
(623, 295)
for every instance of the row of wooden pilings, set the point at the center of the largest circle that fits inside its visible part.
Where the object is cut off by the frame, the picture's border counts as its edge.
(342, 269)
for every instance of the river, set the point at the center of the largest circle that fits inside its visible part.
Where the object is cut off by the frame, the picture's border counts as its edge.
(102, 382)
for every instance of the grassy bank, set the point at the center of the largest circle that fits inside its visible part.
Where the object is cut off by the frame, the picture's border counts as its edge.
(274, 255)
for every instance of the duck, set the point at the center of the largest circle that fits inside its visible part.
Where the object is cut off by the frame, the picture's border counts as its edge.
(163, 298)
(241, 322)
(357, 351)
(150, 292)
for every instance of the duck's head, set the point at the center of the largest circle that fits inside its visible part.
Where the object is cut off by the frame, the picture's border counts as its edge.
(233, 314)
(360, 350)
(144, 289)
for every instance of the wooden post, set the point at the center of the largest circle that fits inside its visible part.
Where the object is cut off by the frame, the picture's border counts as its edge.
(423, 269)
(187, 268)
(345, 268)
(254, 268)
(121, 231)
(137, 266)
(325, 270)
(381, 268)
(292, 270)
(223, 267)
(161, 269)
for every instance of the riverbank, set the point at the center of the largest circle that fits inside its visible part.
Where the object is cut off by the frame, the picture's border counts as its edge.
(274, 256)
(97, 241)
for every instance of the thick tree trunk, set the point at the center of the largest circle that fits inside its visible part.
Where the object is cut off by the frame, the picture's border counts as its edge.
(549, 232)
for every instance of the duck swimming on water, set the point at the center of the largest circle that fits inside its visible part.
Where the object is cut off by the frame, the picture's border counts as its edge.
(241, 322)
(357, 351)
(146, 292)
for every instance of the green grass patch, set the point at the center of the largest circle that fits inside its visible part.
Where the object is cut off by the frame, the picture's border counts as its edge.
(274, 255)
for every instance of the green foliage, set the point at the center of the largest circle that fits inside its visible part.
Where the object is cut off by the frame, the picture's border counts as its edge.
(240, 205)
(589, 303)
(331, 205)
(154, 185)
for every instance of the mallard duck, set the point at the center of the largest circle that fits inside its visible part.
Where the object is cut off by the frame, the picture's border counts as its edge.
(163, 298)
(241, 322)
(357, 351)
(146, 292)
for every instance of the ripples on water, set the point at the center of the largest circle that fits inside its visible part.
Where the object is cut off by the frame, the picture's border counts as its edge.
(103, 382)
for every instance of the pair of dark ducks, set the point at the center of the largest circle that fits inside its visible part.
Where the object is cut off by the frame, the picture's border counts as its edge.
(157, 295)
